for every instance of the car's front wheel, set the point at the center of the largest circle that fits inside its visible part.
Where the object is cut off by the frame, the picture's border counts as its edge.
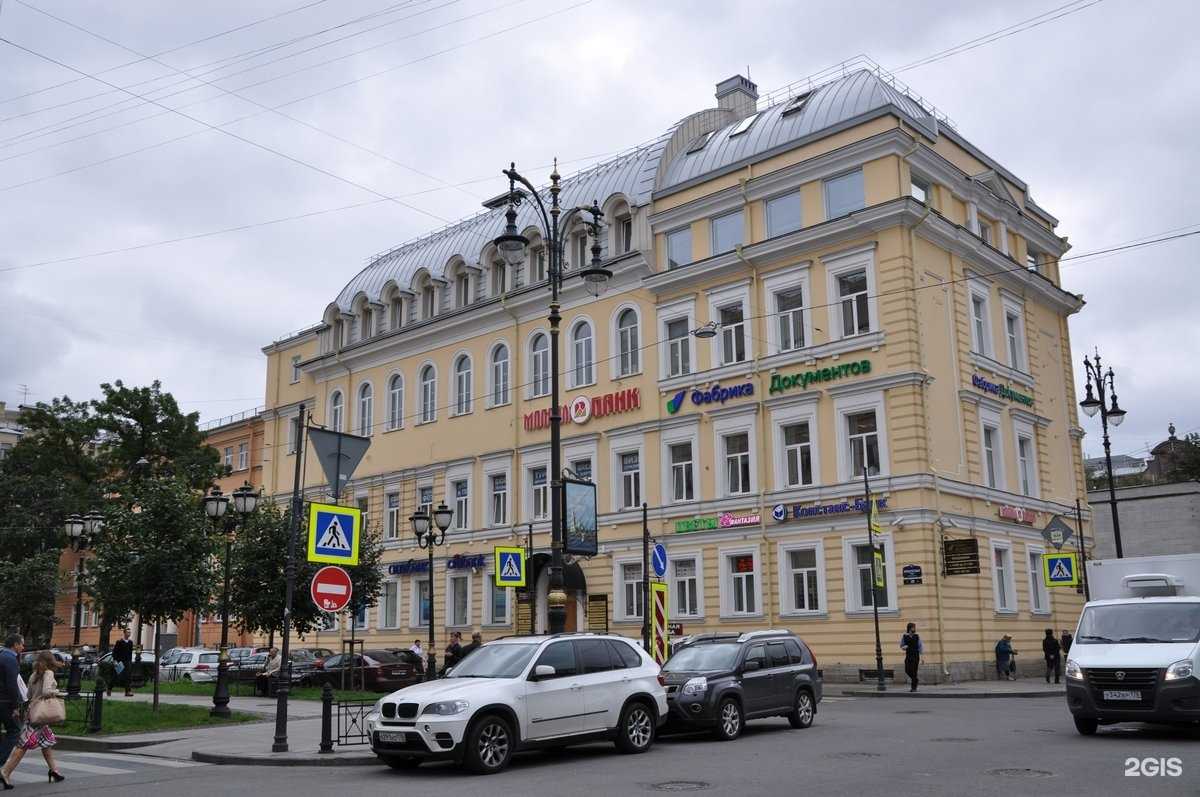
(489, 745)
(400, 761)
(635, 731)
(802, 712)
(729, 720)
(1086, 726)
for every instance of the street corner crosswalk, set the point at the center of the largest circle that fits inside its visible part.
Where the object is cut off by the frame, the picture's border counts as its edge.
(80, 766)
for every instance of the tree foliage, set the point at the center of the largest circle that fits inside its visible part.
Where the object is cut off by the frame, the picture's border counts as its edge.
(258, 584)
(367, 576)
(28, 586)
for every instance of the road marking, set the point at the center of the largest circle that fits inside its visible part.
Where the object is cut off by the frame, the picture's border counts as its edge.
(26, 777)
(91, 769)
(131, 758)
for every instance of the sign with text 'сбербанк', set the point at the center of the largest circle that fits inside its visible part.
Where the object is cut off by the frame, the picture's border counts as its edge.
(782, 382)
(333, 534)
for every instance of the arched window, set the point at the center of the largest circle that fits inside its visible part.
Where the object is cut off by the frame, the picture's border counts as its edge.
(428, 394)
(335, 410)
(462, 385)
(366, 410)
(627, 343)
(583, 368)
(499, 375)
(539, 358)
(396, 402)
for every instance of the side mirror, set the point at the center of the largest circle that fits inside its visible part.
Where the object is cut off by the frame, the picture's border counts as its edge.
(543, 671)
(751, 665)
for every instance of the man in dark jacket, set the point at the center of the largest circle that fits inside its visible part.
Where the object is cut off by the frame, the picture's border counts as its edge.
(122, 654)
(1053, 653)
(476, 643)
(10, 693)
(1066, 641)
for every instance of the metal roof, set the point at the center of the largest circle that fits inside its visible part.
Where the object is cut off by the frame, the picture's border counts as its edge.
(847, 98)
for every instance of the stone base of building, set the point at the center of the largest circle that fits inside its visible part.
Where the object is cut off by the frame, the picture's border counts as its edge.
(959, 671)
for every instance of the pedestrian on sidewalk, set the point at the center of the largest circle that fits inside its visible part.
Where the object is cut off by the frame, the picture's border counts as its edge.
(36, 733)
(122, 656)
(912, 646)
(1006, 665)
(270, 670)
(1066, 641)
(476, 643)
(1053, 653)
(10, 695)
(419, 652)
(453, 651)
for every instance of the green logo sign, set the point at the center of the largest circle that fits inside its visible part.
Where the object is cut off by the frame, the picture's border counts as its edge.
(782, 382)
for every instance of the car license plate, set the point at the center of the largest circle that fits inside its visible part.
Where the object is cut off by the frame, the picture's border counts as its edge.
(392, 736)
(1121, 695)
(398, 673)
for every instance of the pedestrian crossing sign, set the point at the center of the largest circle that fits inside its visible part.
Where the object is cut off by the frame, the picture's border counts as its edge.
(1060, 570)
(333, 533)
(510, 567)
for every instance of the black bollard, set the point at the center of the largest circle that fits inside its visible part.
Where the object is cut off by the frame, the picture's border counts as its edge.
(97, 722)
(327, 719)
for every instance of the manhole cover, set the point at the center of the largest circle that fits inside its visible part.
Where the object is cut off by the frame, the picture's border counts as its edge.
(680, 785)
(953, 739)
(913, 711)
(1020, 772)
(852, 755)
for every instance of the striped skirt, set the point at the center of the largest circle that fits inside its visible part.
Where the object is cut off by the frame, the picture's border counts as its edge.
(36, 736)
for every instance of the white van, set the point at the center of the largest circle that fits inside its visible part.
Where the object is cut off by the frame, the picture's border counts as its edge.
(1136, 654)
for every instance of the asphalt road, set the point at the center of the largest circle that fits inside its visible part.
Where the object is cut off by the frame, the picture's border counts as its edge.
(857, 746)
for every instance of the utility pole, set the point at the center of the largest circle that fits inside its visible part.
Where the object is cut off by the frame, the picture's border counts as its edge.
(281, 690)
(880, 685)
(645, 578)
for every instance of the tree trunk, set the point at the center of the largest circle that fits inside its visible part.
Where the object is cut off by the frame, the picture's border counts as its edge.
(271, 639)
(156, 655)
(105, 631)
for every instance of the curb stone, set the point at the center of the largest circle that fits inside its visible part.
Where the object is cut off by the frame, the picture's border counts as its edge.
(959, 695)
(296, 759)
(86, 744)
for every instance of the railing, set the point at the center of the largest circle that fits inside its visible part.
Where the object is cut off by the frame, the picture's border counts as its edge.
(84, 712)
(352, 722)
(239, 416)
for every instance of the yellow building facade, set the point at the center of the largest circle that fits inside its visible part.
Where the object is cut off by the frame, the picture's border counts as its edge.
(837, 283)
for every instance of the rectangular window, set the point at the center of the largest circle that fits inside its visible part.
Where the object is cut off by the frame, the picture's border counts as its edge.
(631, 480)
(1031, 260)
(1002, 578)
(783, 214)
(844, 194)
(737, 463)
(1039, 597)
(797, 451)
(497, 602)
(459, 599)
(295, 368)
(538, 265)
(919, 190)
(360, 619)
(985, 232)
(541, 493)
(390, 601)
(790, 305)
(802, 564)
(462, 290)
(581, 250)
(499, 482)
(293, 434)
(727, 232)
(687, 588)
(679, 247)
(392, 523)
(625, 233)
(863, 445)
(679, 358)
(979, 336)
(582, 468)
(864, 563)
(741, 581)
(499, 279)
(852, 293)
(1025, 464)
(228, 458)
(428, 298)
(397, 312)
(462, 505)
(425, 500)
(631, 585)
(423, 598)
(733, 335)
(1016, 346)
(364, 506)
(682, 477)
(243, 456)
(991, 437)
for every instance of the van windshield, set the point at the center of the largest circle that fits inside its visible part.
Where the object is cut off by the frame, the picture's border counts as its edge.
(1139, 623)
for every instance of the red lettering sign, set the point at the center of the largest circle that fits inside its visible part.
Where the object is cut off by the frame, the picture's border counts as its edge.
(607, 404)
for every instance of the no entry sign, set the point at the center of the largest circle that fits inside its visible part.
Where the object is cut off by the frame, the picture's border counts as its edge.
(331, 589)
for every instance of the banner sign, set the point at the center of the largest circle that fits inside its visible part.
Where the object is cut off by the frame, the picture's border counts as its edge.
(725, 520)
(782, 382)
(782, 512)
(713, 395)
(1018, 514)
(961, 557)
(581, 409)
(1003, 391)
(579, 517)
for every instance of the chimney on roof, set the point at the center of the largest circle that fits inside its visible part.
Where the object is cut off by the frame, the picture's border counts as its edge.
(738, 94)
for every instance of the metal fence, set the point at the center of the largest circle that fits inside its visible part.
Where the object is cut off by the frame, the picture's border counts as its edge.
(352, 722)
(80, 714)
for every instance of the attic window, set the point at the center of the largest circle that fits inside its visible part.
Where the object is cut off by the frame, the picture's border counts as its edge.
(744, 125)
(698, 143)
(796, 104)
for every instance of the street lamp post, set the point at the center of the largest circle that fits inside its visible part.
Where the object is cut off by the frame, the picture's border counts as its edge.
(245, 500)
(81, 530)
(511, 246)
(1109, 411)
(428, 539)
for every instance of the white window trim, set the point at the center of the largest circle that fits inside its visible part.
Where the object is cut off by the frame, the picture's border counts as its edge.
(572, 452)
(1025, 429)
(673, 555)
(848, 405)
(615, 342)
(389, 490)
(795, 277)
(421, 394)
(724, 297)
(620, 613)
(786, 416)
(786, 586)
(1036, 583)
(1016, 308)
(570, 341)
(726, 582)
(448, 597)
(618, 445)
(850, 574)
(425, 484)
(295, 364)
(743, 422)
(825, 191)
(454, 410)
(414, 601)
(382, 625)
(666, 314)
(990, 417)
(457, 473)
(358, 409)
(980, 290)
(689, 433)
(667, 247)
(387, 424)
(491, 470)
(491, 375)
(530, 461)
(529, 382)
(1010, 582)
(489, 621)
(712, 231)
(841, 263)
(341, 391)
(767, 213)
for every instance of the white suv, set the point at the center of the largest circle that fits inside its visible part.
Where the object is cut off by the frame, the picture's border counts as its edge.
(524, 693)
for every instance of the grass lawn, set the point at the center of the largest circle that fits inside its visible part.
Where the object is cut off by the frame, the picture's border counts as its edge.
(237, 690)
(141, 717)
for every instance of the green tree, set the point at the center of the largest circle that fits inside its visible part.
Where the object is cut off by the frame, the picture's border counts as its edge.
(155, 556)
(28, 587)
(367, 576)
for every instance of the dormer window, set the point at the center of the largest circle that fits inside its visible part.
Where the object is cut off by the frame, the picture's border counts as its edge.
(796, 104)
(499, 278)
(462, 290)
(397, 312)
(744, 125)
(699, 143)
(428, 302)
(581, 250)
(367, 319)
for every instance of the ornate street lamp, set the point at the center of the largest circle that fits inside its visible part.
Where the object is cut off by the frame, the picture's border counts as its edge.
(1109, 411)
(245, 501)
(429, 539)
(595, 276)
(81, 530)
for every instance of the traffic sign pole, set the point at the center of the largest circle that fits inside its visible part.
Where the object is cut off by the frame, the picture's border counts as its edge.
(646, 576)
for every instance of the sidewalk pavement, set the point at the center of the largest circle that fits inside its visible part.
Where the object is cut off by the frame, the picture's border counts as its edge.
(1022, 687)
(297, 709)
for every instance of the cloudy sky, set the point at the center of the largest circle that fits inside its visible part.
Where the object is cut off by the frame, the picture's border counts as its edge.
(380, 120)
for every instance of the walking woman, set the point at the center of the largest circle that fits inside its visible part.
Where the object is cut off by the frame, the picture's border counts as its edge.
(39, 712)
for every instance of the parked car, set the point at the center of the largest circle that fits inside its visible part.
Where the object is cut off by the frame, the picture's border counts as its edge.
(146, 657)
(193, 664)
(169, 657)
(245, 670)
(381, 671)
(237, 654)
(524, 693)
(719, 681)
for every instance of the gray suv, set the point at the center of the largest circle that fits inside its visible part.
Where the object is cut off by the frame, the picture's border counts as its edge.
(719, 681)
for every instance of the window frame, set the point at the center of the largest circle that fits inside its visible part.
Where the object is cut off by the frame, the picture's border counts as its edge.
(581, 375)
(687, 471)
(450, 602)
(538, 494)
(850, 574)
(742, 464)
(366, 409)
(416, 621)
(804, 411)
(844, 263)
(714, 223)
(295, 369)
(621, 608)
(489, 591)
(998, 478)
(619, 343)
(794, 278)
(1015, 310)
(668, 314)
(1038, 591)
(695, 556)
(726, 581)
(337, 410)
(915, 181)
(243, 456)
(539, 360)
(464, 385)
(392, 522)
(775, 229)
(382, 623)
(838, 178)
(1009, 577)
(499, 376)
(787, 595)
(980, 295)
(678, 234)
(1025, 430)
(395, 408)
(743, 422)
(428, 393)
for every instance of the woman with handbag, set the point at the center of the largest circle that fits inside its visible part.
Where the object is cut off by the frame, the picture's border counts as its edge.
(45, 707)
